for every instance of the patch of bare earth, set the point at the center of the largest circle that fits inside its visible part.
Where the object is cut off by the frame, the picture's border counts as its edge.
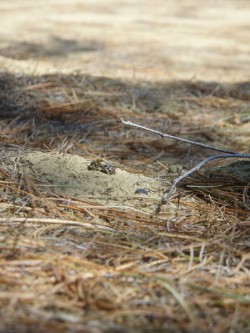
(82, 249)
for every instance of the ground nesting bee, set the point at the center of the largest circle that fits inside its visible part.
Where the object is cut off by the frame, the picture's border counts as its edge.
(100, 165)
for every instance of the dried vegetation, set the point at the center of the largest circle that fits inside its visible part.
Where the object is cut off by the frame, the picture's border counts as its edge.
(81, 264)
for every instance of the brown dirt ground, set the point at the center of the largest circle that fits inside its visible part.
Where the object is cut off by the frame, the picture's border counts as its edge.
(81, 250)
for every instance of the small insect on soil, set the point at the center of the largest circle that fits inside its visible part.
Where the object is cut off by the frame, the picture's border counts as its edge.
(100, 165)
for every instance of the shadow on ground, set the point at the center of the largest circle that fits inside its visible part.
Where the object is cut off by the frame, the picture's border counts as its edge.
(55, 47)
(41, 111)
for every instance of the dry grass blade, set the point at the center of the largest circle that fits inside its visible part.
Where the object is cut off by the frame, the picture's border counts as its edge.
(178, 297)
(54, 221)
(240, 297)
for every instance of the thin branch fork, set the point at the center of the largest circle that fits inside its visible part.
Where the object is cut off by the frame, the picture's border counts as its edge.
(167, 195)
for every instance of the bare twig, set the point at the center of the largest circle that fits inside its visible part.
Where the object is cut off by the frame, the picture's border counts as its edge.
(168, 136)
(171, 190)
(167, 195)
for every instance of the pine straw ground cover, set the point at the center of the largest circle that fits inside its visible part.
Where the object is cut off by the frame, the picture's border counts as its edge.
(71, 264)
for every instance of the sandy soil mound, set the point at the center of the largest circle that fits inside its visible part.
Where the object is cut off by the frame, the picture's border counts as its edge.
(77, 177)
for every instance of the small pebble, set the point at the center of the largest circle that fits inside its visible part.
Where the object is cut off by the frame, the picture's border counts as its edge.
(141, 191)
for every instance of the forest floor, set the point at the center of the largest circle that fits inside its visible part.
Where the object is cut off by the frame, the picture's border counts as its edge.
(82, 249)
